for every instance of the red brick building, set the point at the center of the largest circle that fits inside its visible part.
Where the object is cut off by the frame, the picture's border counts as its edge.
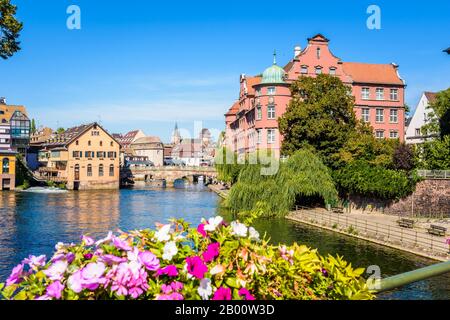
(252, 121)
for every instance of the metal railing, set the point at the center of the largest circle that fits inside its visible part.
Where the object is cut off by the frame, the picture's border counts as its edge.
(434, 174)
(393, 234)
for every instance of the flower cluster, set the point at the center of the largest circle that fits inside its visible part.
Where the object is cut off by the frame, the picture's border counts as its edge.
(216, 261)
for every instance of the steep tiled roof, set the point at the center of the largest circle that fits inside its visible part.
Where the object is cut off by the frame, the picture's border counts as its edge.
(251, 81)
(431, 96)
(372, 73)
(62, 139)
(6, 112)
(148, 140)
(234, 108)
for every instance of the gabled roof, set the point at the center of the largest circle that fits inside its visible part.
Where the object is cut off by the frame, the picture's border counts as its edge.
(431, 96)
(372, 73)
(71, 134)
(234, 108)
(6, 112)
(319, 37)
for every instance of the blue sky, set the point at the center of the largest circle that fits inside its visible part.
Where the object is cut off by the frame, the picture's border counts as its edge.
(146, 64)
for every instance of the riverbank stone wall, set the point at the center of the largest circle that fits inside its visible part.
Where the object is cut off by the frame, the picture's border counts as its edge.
(430, 199)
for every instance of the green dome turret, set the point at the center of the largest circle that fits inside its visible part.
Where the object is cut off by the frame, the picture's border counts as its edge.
(273, 74)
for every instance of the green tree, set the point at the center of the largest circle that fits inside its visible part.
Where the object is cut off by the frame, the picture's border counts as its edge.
(33, 126)
(60, 130)
(362, 145)
(9, 29)
(320, 114)
(301, 178)
(439, 115)
(435, 155)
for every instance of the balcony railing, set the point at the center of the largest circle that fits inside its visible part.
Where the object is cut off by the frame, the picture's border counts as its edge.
(434, 174)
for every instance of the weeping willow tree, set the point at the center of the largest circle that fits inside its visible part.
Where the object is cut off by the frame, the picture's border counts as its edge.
(303, 175)
(229, 164)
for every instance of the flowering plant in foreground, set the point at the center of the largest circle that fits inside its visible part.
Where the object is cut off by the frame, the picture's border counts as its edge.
(214, 261)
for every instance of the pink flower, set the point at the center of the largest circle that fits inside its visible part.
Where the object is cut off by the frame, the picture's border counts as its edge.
(149, 260)
(196, 267)
(16, 275)
(172, 296)
(56, 270)
(35, 262)
(127, 279)
(91, 275)
(222, 294)
(245, 294)
(112, 259)
(121, 244)
(166, 289)
(212, 252)
(54, 290)
(88, 256)
(177, 286)
(169, 270)
(201, 230)
(88, 241)
(448, 241)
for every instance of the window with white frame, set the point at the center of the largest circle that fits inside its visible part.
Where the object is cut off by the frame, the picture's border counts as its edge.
(379, 115)
(271, 91)
(418, 132)
(270, 136)
(365, 93)
(379, 94)
(304, 69)
(271, 111)
(318, 53)
(318, 70)
(379, 134)
(258, 136)
(393, 117)
(332, 71)
(258, 113)
(365, 114)
(394, 94)
(393, 134)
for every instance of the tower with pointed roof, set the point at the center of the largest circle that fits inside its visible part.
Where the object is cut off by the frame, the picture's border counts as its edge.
(176, 136)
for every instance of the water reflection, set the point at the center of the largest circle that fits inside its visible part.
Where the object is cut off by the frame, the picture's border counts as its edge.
(32, 223)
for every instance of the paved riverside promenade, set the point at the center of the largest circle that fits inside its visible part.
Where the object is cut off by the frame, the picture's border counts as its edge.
(380, 228)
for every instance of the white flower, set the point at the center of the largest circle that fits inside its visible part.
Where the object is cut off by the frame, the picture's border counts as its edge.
(217, 269)
(205, 289)
(56, 270)
(59, 246)
(163, 233)
(254, 235)
(239, 229)
(189, 276)
(133, 254)
(213, 223)
(170, 249)
(107, 239)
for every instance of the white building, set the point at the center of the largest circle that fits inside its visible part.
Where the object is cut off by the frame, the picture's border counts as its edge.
(414, 134)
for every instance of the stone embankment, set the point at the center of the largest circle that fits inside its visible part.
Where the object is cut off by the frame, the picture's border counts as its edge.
(378, 228)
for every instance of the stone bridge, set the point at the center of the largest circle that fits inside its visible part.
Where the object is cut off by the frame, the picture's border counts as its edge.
(169, 173)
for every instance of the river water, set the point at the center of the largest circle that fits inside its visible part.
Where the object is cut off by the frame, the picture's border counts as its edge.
(33, 222)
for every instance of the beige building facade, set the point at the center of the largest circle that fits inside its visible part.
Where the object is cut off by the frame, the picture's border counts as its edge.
(84, 157)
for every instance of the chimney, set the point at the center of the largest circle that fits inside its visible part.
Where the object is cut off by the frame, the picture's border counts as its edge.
(2, 100)
(297, 51)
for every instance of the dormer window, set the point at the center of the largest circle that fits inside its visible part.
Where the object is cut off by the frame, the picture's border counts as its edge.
(304, 70)
(318, 70)
(332, 70)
